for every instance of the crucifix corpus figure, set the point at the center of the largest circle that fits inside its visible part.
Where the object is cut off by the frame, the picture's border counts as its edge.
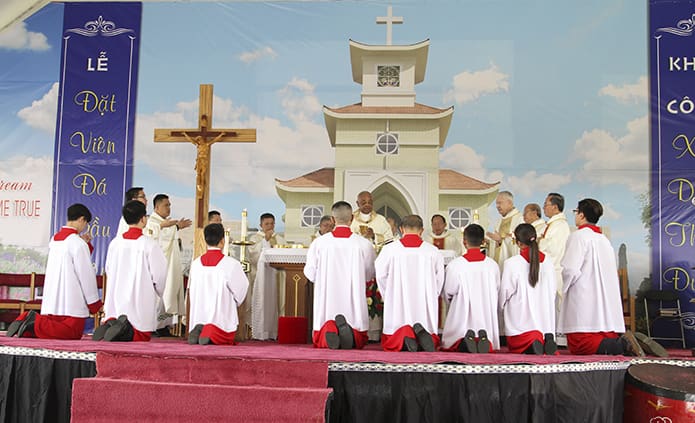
(203, 137)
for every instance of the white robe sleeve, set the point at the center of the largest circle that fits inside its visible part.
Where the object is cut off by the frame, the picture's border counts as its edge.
(312, 262)
(238, 285)
(158, 268)
(572, 261)
(85, 272)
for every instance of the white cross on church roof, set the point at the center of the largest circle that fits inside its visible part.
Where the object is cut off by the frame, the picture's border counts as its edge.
(389, 20)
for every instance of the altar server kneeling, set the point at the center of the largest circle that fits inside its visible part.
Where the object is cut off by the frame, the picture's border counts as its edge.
(410, 275)
(339, 264)
(137, 272)
(527, 296)
(70, 291)
(217, 285)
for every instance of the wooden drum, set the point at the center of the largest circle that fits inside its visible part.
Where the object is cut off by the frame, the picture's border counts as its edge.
(659, 393)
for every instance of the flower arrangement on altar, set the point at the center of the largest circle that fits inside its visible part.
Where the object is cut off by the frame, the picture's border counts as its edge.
(375, 305)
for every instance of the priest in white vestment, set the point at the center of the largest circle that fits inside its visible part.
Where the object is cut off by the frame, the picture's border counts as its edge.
(443, 238)
(339, 264)
(165, 231)
(266, 284)
(134, 193)
(592, 311)
(527, 297)
(368, 223)
(326, 225)
(554, 239)
(471, 288)
(137, 274)
(410, 276)
(503, 246)
(70, 291)
(532, 216)
(217, 285)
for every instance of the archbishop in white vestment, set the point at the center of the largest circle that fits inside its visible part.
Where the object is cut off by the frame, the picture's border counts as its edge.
(502, 245)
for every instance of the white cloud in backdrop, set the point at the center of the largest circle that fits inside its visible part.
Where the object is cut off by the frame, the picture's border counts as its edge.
(42, 113)
(627, 93)
(469, 86)
(17, 37)
(281, 150)
(610, 159)
(258, 54)
(533, 182)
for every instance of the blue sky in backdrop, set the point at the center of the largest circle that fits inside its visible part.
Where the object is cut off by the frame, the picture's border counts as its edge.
(548, 96)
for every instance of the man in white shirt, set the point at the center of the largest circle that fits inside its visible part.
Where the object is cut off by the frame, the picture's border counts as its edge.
(70, 291)
(532, 216)
(134, 193)
(443, 238)
(339, 264)
(410, 276)
(266, 298)
(368, 223)
(325, 226)
(503, 246)
(137, 272)
(552, 241)
(164, 230)
(592, 312)
(217, 285)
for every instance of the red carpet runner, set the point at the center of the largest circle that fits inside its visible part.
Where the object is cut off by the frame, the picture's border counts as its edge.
(159, 388)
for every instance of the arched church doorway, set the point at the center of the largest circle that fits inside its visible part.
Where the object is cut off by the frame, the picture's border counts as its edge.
(390, 202)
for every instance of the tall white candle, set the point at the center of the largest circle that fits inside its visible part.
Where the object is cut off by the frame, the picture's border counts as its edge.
(225, 250)
(244, 225)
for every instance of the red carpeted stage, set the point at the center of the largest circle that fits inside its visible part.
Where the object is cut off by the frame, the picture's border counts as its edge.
(169, 380)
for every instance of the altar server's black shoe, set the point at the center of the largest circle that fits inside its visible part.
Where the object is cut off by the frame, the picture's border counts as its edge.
(99, 332)
(14, 328)
(423, 338)
(468, 343)
(650, 346)
(536, 348)
(27, 324)
(120, 331)
(630, 345)
(347, 337)
(409, 344)
(333, 340)
(483, 342)
(549, 346)
(195, 334)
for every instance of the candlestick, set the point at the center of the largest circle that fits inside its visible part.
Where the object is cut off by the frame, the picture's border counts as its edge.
(244, 224)
(226, 242)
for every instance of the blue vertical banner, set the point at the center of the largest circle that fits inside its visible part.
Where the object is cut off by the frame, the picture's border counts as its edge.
(96, 115)
(672, 107)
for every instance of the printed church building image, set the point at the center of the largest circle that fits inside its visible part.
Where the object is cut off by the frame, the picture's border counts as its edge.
(387, 144)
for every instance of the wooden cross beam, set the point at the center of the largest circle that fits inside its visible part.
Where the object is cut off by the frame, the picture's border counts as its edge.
(203, 137)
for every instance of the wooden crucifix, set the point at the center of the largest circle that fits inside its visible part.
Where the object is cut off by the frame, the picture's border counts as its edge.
(203, 137)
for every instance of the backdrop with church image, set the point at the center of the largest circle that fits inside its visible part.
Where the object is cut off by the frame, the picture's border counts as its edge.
(455, 108)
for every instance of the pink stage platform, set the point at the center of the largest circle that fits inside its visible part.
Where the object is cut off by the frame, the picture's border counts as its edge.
(302, 383)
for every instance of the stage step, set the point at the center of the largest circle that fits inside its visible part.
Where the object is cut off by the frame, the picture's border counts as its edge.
(117, 400)
(213, 370)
